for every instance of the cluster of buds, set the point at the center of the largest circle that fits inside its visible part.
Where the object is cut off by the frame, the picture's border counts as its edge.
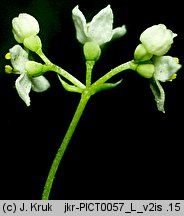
(149, 56)
(25, 30)
(152, 61)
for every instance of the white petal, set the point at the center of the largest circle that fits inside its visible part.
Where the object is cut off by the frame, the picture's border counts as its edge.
(39, 84)
(165, 67)
(23, 26)
(80, 25)
(158, 93)
(18, 58)
(23, 86)
(118, 32)
(157, 39)
(100, 28)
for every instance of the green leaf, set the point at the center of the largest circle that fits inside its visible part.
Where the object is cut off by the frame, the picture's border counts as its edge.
(104, 86)
(68, 87)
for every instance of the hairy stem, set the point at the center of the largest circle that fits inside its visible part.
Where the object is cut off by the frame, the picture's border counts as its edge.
(52, 67)
(49, 182)
(89, 68)
(128, 65)
(65, 74)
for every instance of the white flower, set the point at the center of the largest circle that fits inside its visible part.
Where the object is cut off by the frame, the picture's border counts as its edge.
(24, 83)
(99, 30)
(165, 70)
(165, 67)
(157, 39)
(24, 26)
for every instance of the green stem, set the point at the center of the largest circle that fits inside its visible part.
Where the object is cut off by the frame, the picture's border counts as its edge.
(43, 56)
(81, 106)
(65, 74)
(128, 65)
(86, 94)
(52, 67)
(89, 68)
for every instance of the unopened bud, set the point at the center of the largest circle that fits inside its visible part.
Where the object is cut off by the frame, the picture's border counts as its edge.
(146, 70)
(24, 26)
(157, 39)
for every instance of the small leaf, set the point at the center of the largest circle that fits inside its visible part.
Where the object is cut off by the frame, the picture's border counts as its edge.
(105, 86)
(68, 87)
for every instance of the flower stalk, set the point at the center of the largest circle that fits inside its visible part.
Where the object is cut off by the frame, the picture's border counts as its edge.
(65, 74)
(89, 68)
(125, 66)
(78, 113)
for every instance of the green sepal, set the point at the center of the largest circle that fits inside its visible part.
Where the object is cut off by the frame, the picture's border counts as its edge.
(158, 93)
(104, 86)
(33, 43)
(68, 87)
(141, 54)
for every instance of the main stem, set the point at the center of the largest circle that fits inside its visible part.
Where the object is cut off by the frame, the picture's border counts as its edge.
(78, 113)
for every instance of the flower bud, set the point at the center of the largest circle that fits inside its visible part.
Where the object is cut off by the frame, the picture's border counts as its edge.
(34, 68)
(141, 54)
(92, 51)
(157, 39)
(33, 43)
(24, 26)
(146, 70)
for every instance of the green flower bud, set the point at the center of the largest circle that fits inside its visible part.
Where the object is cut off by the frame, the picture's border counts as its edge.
(24, 26)
(146, 70)
(92, 51)
(141, 54)
(34, 68)
(33, 43)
